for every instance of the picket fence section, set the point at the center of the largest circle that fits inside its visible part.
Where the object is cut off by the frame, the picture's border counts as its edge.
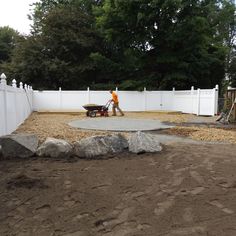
(16, 104)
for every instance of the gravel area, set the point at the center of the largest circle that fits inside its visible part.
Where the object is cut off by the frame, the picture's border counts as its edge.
(205, 134)
(56, 125)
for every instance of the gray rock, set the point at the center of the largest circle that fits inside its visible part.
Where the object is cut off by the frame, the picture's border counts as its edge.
(98, 146)
(56, 148)
(18, 145)
(141, 142)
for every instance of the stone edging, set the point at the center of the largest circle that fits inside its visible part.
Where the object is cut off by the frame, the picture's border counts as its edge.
(95, 147)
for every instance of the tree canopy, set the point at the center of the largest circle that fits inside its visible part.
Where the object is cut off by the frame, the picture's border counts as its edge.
(158, 44)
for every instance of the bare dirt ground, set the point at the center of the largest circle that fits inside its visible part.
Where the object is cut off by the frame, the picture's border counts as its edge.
(184, 190)
(56, 125)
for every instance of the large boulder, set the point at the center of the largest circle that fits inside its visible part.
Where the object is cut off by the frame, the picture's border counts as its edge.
(18, 145)
(56, 148)
(141, 142)
(99, 146)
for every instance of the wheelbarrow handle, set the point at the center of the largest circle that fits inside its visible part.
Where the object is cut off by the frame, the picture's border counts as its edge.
(108, 103)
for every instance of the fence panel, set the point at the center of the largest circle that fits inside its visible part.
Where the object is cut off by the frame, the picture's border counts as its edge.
(2, 111)
(207, 102)
(167, 100)
(99, 97)
(199, 102)
(183, 101)
(46, 100)
(153, 100)
(132, 100)
(15, 106)
(73, 100)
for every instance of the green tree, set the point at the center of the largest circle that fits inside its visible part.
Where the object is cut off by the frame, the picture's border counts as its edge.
(8, 41)
(176, 41)
(59, 54)
(232, 70)
(131, 44)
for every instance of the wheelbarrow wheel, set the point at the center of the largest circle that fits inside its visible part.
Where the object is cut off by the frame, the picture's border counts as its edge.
(92, 114)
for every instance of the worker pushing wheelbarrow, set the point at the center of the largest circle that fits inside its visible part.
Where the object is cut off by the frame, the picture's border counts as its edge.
(115, 102)
(102, 110)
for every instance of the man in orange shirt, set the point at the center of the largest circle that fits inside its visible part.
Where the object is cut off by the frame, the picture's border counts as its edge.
(115, 103)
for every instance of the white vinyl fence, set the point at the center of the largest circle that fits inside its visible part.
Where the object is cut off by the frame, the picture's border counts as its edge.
(15, 105)
(199, 102)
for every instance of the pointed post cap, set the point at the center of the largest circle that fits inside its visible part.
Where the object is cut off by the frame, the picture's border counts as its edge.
(3, 76)
(14, 83)
(3, 79)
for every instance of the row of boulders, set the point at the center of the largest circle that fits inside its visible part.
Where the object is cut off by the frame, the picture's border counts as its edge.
(27, 145)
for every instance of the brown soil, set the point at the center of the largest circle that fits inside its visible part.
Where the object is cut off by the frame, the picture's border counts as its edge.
(186, 190)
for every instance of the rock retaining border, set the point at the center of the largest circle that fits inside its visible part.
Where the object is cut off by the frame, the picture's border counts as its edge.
(95, 147)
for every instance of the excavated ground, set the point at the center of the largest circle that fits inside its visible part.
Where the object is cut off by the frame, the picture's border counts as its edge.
(184, 190)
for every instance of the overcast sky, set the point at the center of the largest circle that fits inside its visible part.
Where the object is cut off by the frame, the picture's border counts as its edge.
(14, 13)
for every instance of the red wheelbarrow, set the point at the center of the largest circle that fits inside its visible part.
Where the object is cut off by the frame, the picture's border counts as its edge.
(102, 110)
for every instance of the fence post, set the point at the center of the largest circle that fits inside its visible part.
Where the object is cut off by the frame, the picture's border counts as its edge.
(88, 95)
(4, 86)
(27, 99)
(31, 97)
(60, 98)
(192, 98)
(145, 98)
(198, 101)
(14, 83)
(216, 97)
(192, 90)
(173, 99)
(15, 101)
(21, 87)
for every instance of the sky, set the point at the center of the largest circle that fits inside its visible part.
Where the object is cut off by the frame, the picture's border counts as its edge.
(14, 13)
